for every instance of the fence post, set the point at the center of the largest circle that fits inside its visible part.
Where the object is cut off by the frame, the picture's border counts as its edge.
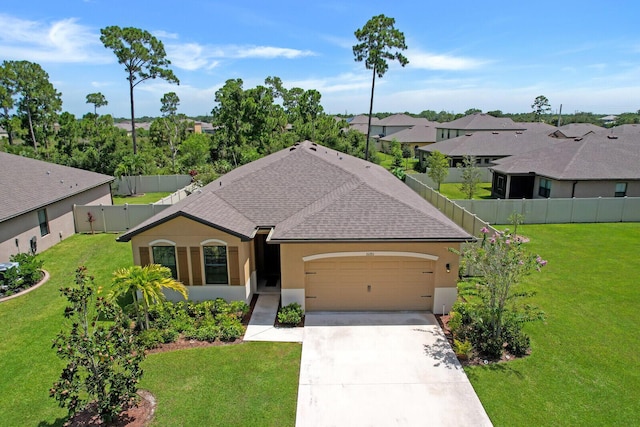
(104, 219)
(598, 210)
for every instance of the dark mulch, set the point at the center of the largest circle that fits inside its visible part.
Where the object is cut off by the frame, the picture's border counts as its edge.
(139, 415)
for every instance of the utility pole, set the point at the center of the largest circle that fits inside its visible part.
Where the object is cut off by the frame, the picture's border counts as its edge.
(560, 116)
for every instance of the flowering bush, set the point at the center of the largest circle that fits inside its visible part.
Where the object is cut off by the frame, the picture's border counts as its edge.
(495, 319)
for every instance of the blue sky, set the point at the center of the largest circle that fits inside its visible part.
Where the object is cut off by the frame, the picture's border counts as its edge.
(463, 54)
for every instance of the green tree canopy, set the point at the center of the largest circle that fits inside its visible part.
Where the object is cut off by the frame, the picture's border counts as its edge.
(98, 100)
(379, 41)
(437, 167)
(143, 57)
(540, 106)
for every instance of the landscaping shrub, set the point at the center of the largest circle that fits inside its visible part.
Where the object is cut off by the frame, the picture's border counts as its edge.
(206, 332)
(150, 338)
(290, 314)
(169, 336)
(27, 274)
(239, 309)
(230, 327)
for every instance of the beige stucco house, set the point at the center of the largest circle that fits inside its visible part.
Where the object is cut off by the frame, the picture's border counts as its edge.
(318, 227)
(37, 202)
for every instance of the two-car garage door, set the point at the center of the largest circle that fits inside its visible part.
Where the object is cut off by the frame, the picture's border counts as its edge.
(369, 283)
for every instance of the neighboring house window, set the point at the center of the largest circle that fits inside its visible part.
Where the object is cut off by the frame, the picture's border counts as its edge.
(166, 256)
(545, 187)
(43, 221)
(215, 265)
(621, 189)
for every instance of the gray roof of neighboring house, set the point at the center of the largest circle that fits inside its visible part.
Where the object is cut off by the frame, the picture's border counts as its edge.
(538, 127)
(139, 125)
(418, 133)
(596, 156)
(481, 121)
(360, 127)
(488, 144)
(576, 130)
(628, 129)
(404, 120)
(363, 119)
(29, 184)
(310, 192)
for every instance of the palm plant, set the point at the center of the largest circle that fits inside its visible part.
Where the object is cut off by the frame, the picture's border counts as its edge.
(149, 281)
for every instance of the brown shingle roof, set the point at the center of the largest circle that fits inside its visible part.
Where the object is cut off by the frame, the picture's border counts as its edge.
(29, 184)
(597, 156)
(310, 192)
(363, 119)
(576, 130)
(481, 121)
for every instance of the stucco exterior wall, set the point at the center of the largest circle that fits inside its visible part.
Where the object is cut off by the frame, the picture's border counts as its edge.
(60, 218)
(183, 232)
(293, 273)
(586, 189)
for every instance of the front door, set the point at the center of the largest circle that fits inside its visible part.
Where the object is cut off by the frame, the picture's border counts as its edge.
(267, 262)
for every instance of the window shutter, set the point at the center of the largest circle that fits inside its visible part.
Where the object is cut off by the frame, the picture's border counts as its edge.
(145, 259)
(234, 265)
(196, 269)
(183, 265)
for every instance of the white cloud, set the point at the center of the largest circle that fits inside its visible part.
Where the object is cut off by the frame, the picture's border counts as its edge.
(100, 84)
(430, 61)
(341, 83)
(161, 34)
(60, 41)
(269, 52)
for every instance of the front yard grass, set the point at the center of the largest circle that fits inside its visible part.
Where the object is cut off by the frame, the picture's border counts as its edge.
(246, 384)
(583, 369)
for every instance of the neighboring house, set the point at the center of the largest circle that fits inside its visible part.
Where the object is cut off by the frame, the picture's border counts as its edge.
(576, 130)
(127, 126)
(477, 122)
(319, 227)
(202, 127)
(414, 137)
(608, 120)
(3, 133)
(37, 202)
(399, 122)
(597, 165)
(487, 147)
(360, 123)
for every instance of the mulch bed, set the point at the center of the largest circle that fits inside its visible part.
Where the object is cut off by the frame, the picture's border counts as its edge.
(443, 321)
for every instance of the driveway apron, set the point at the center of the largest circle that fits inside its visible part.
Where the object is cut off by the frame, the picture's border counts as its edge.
(382, 369)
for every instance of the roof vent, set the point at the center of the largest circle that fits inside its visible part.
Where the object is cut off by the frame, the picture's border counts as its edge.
(292, 148)
(518, 132)
(612, 136)
(494, 132)
(314, 144)
(62, 181)
(48, 172)
(296, 144)
(468, 134)
(578, 139)
(313, 148)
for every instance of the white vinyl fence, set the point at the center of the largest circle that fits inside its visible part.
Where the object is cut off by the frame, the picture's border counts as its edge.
(535, 211)
(149, 183)
(110, 219)
(468, 221)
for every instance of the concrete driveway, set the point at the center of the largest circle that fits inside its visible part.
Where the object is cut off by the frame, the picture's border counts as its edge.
(382, 369)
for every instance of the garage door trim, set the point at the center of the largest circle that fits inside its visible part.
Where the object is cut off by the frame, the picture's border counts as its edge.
(369, 253)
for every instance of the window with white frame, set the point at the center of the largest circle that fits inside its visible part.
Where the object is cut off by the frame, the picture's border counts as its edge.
(215, 265)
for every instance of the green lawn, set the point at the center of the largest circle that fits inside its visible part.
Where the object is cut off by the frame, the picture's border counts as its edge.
(584, 366)
(247, 384)
(143, 199)
(386, 161)
(583, 370)
(452, 191)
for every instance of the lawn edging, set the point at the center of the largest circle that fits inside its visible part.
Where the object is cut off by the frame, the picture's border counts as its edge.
(42, 281)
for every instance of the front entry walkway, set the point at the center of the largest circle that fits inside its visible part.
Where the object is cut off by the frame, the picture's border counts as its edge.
(382, 369)
(261, 327)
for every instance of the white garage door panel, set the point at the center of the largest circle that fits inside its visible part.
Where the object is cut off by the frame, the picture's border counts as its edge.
(363, 283)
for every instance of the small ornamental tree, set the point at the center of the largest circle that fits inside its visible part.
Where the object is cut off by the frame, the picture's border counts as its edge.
(437, 167)
(496, 316)
(103, 357)
(470, 176)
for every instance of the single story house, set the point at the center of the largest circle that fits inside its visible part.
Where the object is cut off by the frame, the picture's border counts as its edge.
(414, 137)
(37, 202)
(487, 147)
(398, 122)
(596, 165)
(477, 122)
(361, 122)
(319, 227)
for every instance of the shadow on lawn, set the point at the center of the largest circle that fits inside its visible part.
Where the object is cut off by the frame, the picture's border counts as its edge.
(57, 423)
(502, 367)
